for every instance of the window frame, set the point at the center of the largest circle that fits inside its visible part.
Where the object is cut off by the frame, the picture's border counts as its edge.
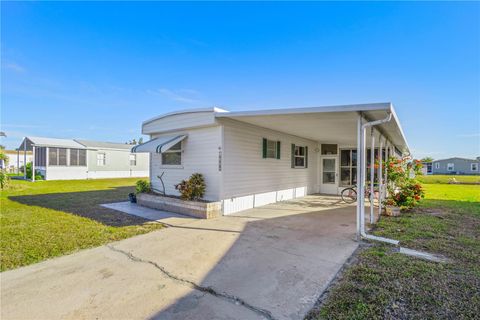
(474, 164)
(134, 160)
(351, 166)
(57, 156)
(276, 144)
(304, 157)
(452, 167)
(437, 165)
(103, 159)
(171, 150)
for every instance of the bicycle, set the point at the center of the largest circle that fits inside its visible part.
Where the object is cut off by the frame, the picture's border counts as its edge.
(349, 195)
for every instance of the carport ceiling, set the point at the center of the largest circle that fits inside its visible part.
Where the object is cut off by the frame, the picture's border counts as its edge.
(324, 124)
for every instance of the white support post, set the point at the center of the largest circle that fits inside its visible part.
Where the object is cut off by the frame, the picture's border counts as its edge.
(372, 177)
(359, 165)
(380, 175)
(361, 153)
(25, 158)
(33, 163)
(18, 161)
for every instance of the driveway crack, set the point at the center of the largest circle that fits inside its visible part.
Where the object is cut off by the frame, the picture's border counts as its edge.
(222, 295)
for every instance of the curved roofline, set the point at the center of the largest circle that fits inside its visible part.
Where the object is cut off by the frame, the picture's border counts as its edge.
(335, 108)
(185, 111)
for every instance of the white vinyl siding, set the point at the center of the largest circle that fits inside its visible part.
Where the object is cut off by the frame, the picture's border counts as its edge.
(200, 154)
(245, 173)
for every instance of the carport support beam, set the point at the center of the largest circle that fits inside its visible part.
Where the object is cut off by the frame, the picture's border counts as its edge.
(372, 177)
(361, 184)
(359, 165)
(25, 158)
(380, 175)
(33, 163)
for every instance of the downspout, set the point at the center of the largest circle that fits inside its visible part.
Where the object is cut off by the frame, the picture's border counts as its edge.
(361, 184)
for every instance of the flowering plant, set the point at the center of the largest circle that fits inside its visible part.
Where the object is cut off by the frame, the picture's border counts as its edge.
(403, 189)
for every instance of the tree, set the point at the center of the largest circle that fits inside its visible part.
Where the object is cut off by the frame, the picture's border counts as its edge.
(427, 159)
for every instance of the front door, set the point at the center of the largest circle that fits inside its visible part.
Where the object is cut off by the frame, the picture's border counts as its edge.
(328, 175)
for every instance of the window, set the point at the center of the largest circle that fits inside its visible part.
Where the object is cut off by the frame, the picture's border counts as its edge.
(101, 159)
(62, 157)
(271, 149)
(82, 157)
(74, 157)
(77, 157)
(57, 156)
(348, 167)
(474, 166)
(173, 156)
(40, 156)
(133, 159)
(299, 156)
(450, 167)
(52, 156)
(437, 165)
(429, 168)
(329, 149)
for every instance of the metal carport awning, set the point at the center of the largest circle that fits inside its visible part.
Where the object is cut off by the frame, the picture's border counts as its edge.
(159, 145)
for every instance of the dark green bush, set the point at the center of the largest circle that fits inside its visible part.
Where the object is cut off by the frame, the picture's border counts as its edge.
(143, 186)
(38, 176)
(193, 188)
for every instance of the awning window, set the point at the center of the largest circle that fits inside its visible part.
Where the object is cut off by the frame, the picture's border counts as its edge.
(158, 145)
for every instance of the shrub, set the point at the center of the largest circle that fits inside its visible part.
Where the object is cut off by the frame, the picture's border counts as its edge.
(193, 188)
(38, 176)
(143, 186)
(4, 179)
(404, 191)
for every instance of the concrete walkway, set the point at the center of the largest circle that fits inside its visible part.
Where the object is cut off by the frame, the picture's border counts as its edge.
(271, 262)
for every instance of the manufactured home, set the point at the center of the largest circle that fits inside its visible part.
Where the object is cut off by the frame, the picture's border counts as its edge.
(70, 159)
(456, 165)
(15, 161)
(254, 158)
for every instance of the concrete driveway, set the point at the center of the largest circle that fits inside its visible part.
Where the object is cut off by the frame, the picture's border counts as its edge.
(271, 262)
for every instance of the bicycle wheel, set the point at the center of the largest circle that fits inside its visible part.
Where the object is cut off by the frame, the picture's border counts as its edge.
(349, 195)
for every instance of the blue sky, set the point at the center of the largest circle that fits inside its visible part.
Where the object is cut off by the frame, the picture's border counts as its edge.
(97, 70)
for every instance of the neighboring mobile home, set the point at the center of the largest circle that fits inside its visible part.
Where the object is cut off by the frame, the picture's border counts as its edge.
(460, 166)
(68, 159)
(254, 158)
(15, 160)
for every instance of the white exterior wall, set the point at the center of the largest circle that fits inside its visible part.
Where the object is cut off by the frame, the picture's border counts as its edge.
(65, 173)
(117, 174)
(249, 180)
(200, 155)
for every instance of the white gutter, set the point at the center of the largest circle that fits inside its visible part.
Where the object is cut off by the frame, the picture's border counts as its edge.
(361, 183)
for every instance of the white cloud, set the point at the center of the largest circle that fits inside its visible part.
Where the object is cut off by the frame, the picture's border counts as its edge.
(469, 135)
(183, 95)
(14, 67)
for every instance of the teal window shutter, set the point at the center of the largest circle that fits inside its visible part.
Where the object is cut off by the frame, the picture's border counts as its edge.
(293, 155)
(278, 149)
(264, 150)
(306, 157)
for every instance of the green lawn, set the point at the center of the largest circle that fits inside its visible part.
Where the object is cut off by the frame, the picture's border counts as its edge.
(384, 284)
(447, 178)
(46, 219)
